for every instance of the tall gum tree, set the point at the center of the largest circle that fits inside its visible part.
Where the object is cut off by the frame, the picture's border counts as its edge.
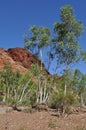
(66, 37)
(38, 39)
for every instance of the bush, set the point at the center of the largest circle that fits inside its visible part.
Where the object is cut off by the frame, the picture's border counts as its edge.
(1, 98)
(52, 102)
(59, 100)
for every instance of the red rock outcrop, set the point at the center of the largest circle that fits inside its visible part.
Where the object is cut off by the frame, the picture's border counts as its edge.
(21, 55)
(4, 57)
(19, 59)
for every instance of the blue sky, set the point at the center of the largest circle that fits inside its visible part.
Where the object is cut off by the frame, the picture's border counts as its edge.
(17, 15)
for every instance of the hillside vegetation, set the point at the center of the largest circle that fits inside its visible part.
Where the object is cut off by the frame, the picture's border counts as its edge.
(25, 81)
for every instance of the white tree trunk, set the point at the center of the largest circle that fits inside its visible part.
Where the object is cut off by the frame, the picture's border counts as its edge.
(65, 89)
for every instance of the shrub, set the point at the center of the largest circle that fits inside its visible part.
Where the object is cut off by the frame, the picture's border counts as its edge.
(59, 100)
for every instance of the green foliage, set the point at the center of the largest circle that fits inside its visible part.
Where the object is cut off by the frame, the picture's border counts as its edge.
(83, 54)
(8, 81)
(16, 88)
(80, 85)
(35, 69)
(67, 50)
(1, 98)
(33, 99)
(67, 33)
(37, 86)
(52, 102)
(58, 100)
(40, 38)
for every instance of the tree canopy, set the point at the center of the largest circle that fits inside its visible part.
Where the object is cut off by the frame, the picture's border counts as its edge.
(67, 33)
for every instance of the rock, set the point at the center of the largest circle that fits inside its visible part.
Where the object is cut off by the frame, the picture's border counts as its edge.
(18, 58)
(22, 56)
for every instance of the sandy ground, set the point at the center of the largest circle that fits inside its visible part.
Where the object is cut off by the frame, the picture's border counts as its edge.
(44, 120)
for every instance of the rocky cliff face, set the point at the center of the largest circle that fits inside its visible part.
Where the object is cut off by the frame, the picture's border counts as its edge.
(19, 58)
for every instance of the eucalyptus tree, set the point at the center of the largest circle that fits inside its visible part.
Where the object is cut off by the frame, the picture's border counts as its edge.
(9, 83)
(66, 37)
(80, 85)
(16, 88)
(38, 39)
(6, 80)
(24, 90)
